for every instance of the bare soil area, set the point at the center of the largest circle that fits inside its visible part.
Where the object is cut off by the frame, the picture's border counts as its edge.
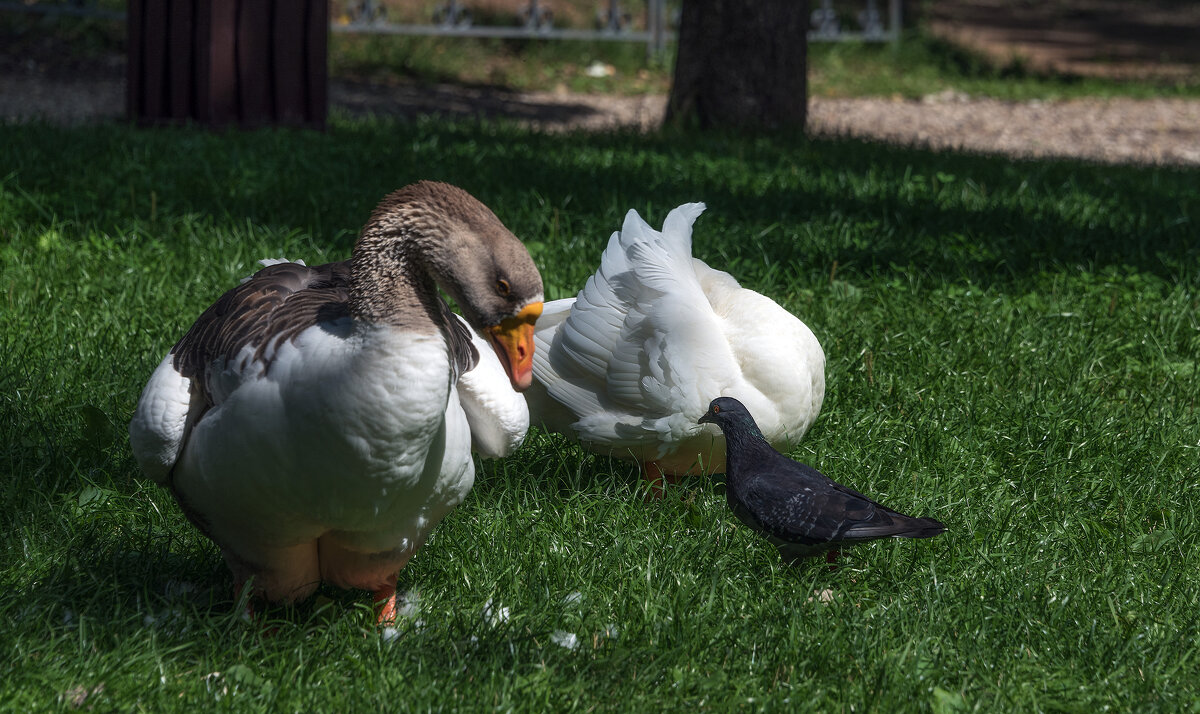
(1163, 131)
(1089, 38)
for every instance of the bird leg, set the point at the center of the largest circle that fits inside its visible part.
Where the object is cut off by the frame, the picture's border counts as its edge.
(243, 587)
(831, 557)
(387, 611)
(657, 480)
(239, 587)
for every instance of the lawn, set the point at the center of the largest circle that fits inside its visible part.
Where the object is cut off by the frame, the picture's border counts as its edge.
(1012, 349)
(921, 65)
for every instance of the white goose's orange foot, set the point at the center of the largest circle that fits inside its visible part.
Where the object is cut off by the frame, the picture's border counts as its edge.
(239, 587)
(387, 610)
(657, 480)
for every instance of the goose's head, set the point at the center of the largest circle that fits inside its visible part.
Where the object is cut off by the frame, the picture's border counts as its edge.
(434, 232)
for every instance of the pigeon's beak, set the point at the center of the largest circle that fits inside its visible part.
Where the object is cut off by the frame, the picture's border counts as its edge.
(513, 341)
(707, 419)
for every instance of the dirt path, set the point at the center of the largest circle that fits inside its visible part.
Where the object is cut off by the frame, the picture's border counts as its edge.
(1119, 130)
(1091, 38)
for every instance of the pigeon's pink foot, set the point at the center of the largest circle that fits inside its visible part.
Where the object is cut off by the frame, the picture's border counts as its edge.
(831, 557)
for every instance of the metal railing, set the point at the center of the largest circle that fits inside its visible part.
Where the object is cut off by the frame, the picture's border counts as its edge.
(827, 26)
(454, 18)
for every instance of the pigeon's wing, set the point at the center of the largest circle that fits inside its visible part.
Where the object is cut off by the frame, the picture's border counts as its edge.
(886, 523)
(793, 506)
(636, 360)
(797, 504)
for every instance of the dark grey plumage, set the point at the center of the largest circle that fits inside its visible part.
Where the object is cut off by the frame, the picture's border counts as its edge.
(797, 508)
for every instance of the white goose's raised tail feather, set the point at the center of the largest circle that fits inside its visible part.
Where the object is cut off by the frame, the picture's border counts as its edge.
(631, 363)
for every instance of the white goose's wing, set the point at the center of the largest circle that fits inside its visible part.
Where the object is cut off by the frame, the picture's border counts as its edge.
(160, 422)
(188, 382)
(641, 353)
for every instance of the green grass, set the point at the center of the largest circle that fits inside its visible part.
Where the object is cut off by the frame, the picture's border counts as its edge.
(920, 65)
(1012, 349)
(924, 64)
(531, 65)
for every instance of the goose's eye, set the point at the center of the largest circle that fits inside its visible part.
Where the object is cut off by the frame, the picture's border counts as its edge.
(503, 287)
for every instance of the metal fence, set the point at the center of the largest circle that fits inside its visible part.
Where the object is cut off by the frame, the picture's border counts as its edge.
(861, 20)
(456, 19)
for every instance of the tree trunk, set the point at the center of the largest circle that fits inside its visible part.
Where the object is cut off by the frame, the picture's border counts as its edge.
(741, 63)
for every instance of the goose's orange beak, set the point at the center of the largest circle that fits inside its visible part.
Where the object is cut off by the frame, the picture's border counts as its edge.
(513, 341)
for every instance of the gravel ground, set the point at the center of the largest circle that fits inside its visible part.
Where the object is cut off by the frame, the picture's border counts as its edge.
(1154, 131)
(1159, 131)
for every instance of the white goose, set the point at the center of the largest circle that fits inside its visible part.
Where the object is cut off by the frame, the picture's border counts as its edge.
(630, 364)
(310, 423)
(497, 414)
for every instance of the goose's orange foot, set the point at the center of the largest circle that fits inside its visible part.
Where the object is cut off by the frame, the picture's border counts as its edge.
(248, 613)
(239, 587)
(657, 480)
(387, 611)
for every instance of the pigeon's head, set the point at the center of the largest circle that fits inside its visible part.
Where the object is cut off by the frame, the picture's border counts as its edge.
(727, 412)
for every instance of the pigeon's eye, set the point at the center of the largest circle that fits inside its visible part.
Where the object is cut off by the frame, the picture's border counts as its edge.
(716, 409)
(503, 287)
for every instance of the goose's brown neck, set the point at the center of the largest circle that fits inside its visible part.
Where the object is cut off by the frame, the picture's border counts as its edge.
(389, 281)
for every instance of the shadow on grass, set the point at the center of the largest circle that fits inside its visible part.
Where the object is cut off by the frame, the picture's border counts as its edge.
(892, 209)
(105, 579)
(452, 102)
(176, 586)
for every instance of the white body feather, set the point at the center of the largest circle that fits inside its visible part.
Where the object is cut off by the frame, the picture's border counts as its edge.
(497, 413)
(632, 362)
(351, 445)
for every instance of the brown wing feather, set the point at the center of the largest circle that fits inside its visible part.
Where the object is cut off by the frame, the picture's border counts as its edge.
(458, 335)
(251, 314)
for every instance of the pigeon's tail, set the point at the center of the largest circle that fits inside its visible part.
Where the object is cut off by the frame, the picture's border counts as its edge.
(922, 528)
(890, 524)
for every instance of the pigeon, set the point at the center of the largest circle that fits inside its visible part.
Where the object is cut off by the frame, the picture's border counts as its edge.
(801, 511)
